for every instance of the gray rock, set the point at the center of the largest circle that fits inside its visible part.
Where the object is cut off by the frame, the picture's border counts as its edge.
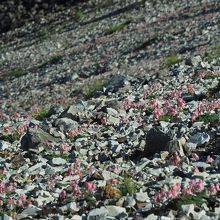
(188, 209)
(156, 141)
(115, 210)
(4, 145)
(72, 112)
(199, 138)
(30, 211)
(35, 138)
(69, 207)
(58, 161)
(64, 124)
(96, 214)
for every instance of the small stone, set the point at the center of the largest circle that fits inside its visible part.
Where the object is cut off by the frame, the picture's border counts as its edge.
(198, 139)
(188, 209)
(115, 210)
(151, 217)
(141, 196)
(58, 161)
(129, 201)
(65, 124)
(69, 207)
(30, 211)
(100, 213)
(4, 145)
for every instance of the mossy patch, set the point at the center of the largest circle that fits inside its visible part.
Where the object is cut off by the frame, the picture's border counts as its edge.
(127, 186)
(17, 72)
(117, 27)
(198, 199)
(172, 60)
(89, 88)
(209, 118)
(10, 137)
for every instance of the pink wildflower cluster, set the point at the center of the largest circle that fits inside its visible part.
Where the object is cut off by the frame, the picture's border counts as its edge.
(148, 90)
(176, 190)
(73, 132)
(64, 148)
(205, 106)
(22, 129)
(75, 188)
(213, 188)
(127, 104)
(90, 186)
(175, 159)
(12, 203)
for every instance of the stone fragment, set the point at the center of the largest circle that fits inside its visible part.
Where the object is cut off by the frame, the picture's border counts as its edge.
(115, 211)
(58, 161)
(156, 141)
(99, 213)
(65, 124)
(4, 145)
(36, 137)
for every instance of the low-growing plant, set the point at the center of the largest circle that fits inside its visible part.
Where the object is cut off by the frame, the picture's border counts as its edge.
(166, 118)
(41, 114)
(117, 27)
(209, 117)
(172, 59)
(111, 192)
(196, 199)
(90, 87)
(15, 136)
(17, 72)
(214, 52)
(127, 186)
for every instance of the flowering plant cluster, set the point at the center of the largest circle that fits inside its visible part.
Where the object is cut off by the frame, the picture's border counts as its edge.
(177, 191)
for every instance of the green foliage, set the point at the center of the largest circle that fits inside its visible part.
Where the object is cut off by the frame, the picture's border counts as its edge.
(209, 117)
(127, 186)
(172, 59)
(10, 137)
(197, 199)
(90, 87)
(166, 118)
(17, 72)
(214, 52)
(215, 90)
(117, 27)
(79, 15)
(40, 115)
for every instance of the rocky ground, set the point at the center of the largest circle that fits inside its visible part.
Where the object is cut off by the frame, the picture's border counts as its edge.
(110, 110)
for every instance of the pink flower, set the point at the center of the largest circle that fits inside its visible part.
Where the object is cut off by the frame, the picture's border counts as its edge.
(199, 185)
(212, 189)
(209, 159)
(157, 112)
(217, 187)
(2, 187)
(75, 188)
(70, 170)
(90, 186)
(175, 159)
(195, 169)
(187, 191)
(195, 157)
(62, 195)
(195, 115)
(64, 148)
(180, 102)
(11, 202)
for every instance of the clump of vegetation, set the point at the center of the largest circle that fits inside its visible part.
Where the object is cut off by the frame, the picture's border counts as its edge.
(172, 59)
(79, 15)
(15, 136)
(166, 118)
(111, 192)
(17, 72)
(215, 90)
(197, 199)
(117, 27)
(214, 53)
(90, 87)
(127, 186)
(209, 117)
(41, 114)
